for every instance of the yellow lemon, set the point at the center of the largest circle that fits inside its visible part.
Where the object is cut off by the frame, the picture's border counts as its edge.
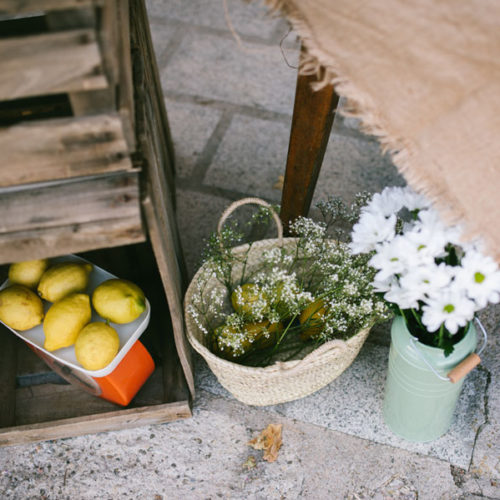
(229, 342)
(263, 334)
(119, 300)
(64, 278)
(248, 299)
(20, 307)
(311, 319)
(27, 273)
(96, 345)
(64, 320)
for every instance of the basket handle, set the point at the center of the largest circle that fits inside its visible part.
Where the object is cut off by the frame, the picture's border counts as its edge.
(255, 201)
(323, 350)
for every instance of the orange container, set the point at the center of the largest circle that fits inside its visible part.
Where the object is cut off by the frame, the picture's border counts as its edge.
(120, 386)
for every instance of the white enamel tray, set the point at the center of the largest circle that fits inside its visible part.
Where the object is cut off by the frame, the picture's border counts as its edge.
(128, 332)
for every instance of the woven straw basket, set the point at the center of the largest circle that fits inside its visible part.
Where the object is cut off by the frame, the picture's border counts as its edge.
(282, 381)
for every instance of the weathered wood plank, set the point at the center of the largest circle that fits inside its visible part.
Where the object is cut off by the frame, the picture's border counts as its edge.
(151, 114)
(75, 238)
(126, 98)
(107, 37)
(48, 402)
(62, 148)
(27, 6)
(74, 201)
(113, 420)
(51, 63)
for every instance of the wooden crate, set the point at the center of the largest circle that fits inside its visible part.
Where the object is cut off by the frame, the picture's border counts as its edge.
(87, 166)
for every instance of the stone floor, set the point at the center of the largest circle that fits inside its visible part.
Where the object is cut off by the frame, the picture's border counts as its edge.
(229, 102)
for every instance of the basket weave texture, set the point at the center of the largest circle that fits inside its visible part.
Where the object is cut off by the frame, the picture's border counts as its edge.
(284, 380)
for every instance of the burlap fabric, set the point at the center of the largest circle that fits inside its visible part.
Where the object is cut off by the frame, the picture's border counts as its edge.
(424, 77)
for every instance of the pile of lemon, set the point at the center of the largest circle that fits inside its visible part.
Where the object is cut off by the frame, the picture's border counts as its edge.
(233, 342)
(67, 320)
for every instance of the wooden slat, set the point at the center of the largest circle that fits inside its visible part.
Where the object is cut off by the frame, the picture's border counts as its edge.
(126, 98)
(75, 238)
(49, 402)
(76, 201)
(62, 148)
(84, 102)
(165, 287)
(151, 112)
(108, 39)
(50, 63)
(109, 421)
(27, 6)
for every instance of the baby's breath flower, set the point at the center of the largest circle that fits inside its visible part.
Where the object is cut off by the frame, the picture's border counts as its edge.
(308, 229)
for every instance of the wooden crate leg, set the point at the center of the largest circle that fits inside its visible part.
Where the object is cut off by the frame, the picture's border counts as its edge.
(312, 121)
(160, 233)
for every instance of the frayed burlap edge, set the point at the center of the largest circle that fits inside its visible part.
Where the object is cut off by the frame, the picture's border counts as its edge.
(315, 61)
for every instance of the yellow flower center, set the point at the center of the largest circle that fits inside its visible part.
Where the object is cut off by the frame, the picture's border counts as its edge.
(479, 277)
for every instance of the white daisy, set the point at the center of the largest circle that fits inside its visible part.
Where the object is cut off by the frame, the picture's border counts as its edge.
(370, 230)
(451, 307)
(428, 243)
(480, 276)
(393, 257)
(389, 202)
(430, 221)
(405, 298)
(414, 201)
(428, 280)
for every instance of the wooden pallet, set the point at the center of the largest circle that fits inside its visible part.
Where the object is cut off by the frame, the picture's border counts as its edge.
(87, 164)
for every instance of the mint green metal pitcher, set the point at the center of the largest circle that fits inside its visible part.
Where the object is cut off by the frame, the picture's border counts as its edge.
(419, 398)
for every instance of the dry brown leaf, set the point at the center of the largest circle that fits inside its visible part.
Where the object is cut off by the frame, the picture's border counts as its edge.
(280, 183)
(268, 440)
